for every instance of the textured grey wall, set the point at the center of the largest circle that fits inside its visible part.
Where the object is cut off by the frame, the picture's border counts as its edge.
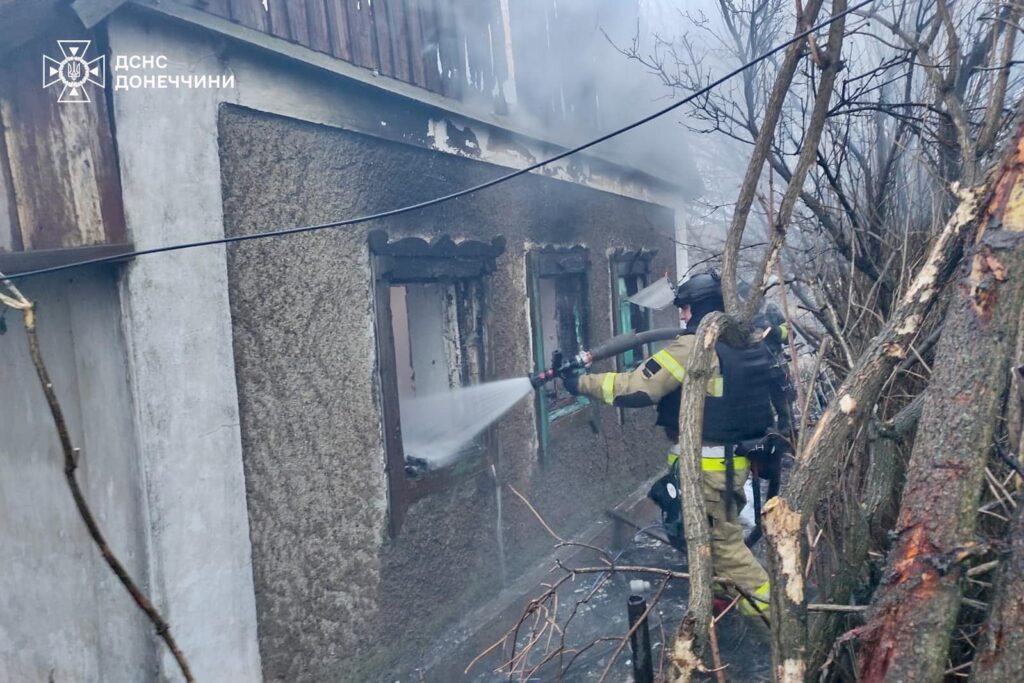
(337, 599)
(177, 326)
(65, 616)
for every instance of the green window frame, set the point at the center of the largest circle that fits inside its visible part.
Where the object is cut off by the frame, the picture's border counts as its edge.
(559, 314)
(630, 272)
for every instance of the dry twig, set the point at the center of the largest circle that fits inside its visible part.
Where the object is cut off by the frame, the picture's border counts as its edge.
(16, 300)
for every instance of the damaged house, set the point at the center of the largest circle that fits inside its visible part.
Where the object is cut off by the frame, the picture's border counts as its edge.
(238, 407)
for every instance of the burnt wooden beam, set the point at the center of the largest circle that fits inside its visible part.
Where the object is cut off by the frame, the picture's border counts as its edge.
(15, 262)
(554, 261)
(22, 22)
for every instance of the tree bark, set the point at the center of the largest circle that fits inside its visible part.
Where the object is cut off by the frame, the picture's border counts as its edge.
(909, 625)
(1000, 655)
(886, 469)
(691, 486)
(1015, 401)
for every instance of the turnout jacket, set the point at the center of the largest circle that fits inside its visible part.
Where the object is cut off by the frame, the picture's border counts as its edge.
(656, 377)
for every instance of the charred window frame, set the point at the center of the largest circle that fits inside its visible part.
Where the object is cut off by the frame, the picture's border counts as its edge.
(630, 272)
(559, 315)
(431, 330)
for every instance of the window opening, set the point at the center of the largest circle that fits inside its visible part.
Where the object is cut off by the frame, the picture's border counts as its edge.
(630, 274)
(559, 312)
(431, 337)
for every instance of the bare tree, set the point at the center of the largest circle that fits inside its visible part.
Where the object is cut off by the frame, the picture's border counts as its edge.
(869, 226)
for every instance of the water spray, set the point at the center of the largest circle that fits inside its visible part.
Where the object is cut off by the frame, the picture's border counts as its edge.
(438, 429)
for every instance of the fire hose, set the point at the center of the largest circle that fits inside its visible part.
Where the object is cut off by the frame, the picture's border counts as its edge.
(607, 349)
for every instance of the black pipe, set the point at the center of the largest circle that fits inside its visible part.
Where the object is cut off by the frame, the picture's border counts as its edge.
(640, 641)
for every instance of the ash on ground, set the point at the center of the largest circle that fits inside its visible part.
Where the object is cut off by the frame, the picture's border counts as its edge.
(594, 633)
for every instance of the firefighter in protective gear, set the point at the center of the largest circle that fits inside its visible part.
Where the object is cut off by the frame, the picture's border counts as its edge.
(657, 381)
(776, 334)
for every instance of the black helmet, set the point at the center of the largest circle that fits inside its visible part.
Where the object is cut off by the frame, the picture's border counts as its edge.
(702, 293)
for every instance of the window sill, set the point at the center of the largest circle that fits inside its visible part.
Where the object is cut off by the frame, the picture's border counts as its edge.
(579, 404)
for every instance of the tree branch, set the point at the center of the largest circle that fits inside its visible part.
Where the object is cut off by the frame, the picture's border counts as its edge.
(17, 301)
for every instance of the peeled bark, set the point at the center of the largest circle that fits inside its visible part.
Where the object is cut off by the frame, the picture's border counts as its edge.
(786, 549)
(814, 475)
(909, 625)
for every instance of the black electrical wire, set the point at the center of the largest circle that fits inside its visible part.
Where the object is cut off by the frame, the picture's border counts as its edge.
(454, 195)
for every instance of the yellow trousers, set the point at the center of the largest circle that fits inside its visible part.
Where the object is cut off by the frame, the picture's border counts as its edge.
(730, 556)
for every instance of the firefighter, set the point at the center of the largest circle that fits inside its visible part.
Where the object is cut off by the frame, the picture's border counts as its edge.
(737, 407)
(776, 335)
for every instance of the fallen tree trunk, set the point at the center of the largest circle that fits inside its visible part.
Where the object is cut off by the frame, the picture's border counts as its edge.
(909, 626)
(814, 476)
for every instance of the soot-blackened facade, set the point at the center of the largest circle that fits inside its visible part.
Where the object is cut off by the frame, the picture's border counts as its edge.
(250, 468)
(331, 535)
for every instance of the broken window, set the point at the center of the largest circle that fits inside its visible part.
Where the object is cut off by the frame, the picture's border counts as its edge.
(630, 273)
(431, 336)
(558, 307)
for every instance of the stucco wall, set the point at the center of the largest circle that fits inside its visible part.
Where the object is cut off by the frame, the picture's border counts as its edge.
(336, 598)
(179, 332)
(65, 617)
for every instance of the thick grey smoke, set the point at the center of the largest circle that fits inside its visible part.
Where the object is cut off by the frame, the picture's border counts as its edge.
(573, 82)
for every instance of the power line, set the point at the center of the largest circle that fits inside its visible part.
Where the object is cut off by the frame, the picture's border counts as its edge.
(454, 195)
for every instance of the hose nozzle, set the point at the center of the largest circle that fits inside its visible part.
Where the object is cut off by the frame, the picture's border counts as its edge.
(611, 347)
(559, 366)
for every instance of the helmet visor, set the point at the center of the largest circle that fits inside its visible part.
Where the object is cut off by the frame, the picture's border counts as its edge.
(657, 296)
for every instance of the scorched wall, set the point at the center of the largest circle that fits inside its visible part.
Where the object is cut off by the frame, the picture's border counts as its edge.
(338, 596)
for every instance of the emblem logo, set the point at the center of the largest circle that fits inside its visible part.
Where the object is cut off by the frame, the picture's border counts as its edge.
(73, 72)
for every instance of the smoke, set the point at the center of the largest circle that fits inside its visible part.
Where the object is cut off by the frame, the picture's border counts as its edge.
(573, 82)
(580, 68)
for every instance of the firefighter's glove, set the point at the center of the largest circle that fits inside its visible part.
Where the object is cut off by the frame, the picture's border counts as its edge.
(571, 382)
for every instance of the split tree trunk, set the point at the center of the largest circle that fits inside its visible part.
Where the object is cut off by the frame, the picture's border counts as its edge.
(814, 475)
(909, 626)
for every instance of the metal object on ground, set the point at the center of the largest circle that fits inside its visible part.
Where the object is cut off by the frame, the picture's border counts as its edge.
(640, 641)
(621, 519)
